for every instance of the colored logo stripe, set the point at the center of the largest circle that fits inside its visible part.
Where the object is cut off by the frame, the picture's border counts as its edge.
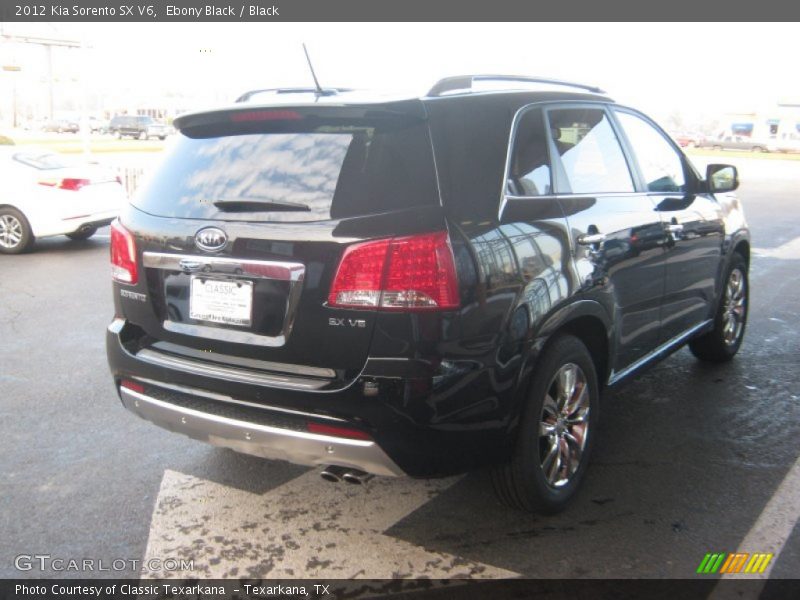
(711, 563)
(722, 562)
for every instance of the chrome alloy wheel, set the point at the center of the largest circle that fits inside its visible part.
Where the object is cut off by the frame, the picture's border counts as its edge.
(10, 231)
(564, 424)
(734, 307)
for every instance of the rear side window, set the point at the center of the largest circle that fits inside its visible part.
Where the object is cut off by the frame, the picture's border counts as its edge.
(660, 164)
(316, 171)
(529, 169)
(590, 153)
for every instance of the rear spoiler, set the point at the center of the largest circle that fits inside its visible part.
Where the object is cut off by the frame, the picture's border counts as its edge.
(290, 116)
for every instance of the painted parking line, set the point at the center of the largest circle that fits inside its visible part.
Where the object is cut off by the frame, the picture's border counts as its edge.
(304, 528)
(789, 250)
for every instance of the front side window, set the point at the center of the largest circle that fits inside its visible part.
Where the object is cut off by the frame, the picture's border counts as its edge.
(591, 156)
(529, 170)
(660, 164)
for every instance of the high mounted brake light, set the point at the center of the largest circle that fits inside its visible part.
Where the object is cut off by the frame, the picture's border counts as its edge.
(412, 273)
(265, 115)
(124, 268)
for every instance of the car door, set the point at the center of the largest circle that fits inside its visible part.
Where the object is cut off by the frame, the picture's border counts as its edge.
(616, 233)
(693, 223)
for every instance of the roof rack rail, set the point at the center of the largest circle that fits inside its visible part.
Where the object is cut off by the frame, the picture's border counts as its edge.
(294, 90)
(464, 82)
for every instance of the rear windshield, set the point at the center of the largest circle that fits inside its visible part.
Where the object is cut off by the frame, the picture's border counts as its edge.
(312, 170)
(42, 160)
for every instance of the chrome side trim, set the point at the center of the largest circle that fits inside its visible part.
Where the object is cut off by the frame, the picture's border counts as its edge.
(205, 369)
(260, 269)
(182, 389)
(652, 355)
(262, 440)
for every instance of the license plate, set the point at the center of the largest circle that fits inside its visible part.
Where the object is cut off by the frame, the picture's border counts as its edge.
(221, 301)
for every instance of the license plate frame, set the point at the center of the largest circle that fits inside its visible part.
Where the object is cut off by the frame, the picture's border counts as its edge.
(225, 302)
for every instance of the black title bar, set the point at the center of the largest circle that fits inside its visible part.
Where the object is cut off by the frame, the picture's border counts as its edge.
(150, 11)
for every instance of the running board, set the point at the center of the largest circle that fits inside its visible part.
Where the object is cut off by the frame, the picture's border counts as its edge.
(658, 353)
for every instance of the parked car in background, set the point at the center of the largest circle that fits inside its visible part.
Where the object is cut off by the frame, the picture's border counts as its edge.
(420, 285)
(44, 194)
(785, 143)
(689, 140)
(138, 126)
(61, 126)
(732, 141)
(98, 125)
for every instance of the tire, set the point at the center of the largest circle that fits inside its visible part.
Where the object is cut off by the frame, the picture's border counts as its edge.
(82, 234)
(758, 149)
(716, 148)
(538, 479)
(722, 343)
(162, 137)
(16, 236)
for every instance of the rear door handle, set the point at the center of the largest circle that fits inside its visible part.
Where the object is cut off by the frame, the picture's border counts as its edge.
(588, 239)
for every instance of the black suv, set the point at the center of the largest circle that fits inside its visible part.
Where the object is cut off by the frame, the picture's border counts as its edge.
(137, 126)
(419, 286)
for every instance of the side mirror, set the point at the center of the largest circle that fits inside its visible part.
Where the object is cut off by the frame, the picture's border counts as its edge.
(722, 178)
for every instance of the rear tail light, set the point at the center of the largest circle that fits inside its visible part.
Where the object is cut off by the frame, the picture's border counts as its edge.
(68, 183)
(403, 273)
(73, 184)
(123, 255)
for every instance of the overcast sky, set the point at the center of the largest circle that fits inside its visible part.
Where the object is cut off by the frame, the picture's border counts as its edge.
(657, 67)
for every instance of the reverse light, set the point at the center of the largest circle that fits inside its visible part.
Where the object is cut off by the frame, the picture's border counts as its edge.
(123, 255)
(403, 273)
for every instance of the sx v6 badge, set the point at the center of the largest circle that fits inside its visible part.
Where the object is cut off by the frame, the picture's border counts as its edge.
(347, 322)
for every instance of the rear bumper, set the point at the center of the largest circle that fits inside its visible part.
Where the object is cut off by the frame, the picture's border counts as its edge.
(412, 429)
(65, 226)
(261, 440)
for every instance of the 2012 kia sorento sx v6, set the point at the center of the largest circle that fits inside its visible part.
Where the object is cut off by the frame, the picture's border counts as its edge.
(419, 286)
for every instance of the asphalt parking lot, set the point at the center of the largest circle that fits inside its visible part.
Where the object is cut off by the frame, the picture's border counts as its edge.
(690, 457)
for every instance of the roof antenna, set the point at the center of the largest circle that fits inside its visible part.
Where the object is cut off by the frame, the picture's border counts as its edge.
(320, 91)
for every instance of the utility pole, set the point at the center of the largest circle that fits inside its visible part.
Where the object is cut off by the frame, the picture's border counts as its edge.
(48, 44)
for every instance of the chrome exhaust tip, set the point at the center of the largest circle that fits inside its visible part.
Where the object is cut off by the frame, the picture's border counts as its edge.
(333, 473)
(355, 477)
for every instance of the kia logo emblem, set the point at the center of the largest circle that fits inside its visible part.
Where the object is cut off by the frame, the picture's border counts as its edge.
(210, 239)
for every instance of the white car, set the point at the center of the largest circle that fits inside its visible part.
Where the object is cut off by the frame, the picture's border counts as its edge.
(45, 194)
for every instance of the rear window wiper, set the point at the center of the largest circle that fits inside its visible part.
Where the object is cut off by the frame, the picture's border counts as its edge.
(254, 205)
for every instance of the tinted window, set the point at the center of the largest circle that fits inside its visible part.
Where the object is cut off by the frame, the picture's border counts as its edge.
(590, 153)
(529, 170)
(333, 170)
(660, 164)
